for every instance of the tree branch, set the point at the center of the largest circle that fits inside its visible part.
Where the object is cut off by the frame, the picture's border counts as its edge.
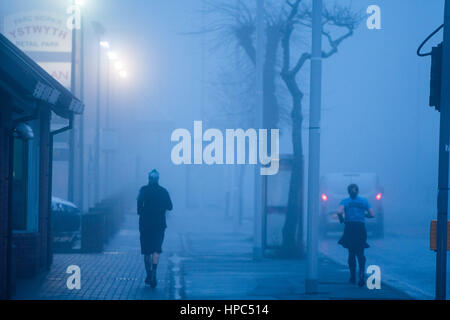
(301, 61)
(289, 27)
(335, 43)
(341, 17)
(244, 36)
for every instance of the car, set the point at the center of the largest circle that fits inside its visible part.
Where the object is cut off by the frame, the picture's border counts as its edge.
(66, 222)
(333, 188)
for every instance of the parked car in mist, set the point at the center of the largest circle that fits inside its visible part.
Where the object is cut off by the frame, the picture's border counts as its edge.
(66, 222)
(333, 189)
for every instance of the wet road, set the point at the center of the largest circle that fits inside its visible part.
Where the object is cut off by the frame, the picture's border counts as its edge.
(404, 257)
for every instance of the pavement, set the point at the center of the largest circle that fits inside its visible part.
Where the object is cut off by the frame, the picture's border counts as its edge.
(117, 273)
(203, 258)
(404, 257)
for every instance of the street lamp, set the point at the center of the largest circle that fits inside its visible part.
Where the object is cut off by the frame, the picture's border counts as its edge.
(112, 55)
(100, 31)
(77, 71)
(119, 65)
(104, 44)
(123, 74)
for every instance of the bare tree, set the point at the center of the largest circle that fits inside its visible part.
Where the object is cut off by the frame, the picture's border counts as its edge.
(233, 29)
(284, 25)
(234, 23)
(335, 18)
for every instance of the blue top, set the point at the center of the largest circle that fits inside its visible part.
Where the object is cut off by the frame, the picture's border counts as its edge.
(355, 209)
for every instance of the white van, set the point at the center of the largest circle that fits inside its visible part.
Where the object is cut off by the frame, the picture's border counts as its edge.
(333, 188)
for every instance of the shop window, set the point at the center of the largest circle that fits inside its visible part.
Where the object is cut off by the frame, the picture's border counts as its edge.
(25, 189)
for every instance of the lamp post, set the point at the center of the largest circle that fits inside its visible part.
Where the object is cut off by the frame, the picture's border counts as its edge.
(108, 121)
(122, 74)
(81, 129)
(100, 31)
(311, 284)
(112, 56)
(76, 57)
(112, 60)
(258, 241)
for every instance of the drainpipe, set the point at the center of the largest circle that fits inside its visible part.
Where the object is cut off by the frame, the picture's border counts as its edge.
(50, 188)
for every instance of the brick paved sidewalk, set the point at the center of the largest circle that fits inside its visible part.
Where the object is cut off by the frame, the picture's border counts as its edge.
(117, 273)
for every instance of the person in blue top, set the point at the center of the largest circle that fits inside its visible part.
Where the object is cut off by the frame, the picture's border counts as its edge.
(352, 211)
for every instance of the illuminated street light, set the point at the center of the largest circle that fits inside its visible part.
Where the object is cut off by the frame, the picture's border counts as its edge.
(123, 74)
(119, 65)
(104, 44)
(112, 55)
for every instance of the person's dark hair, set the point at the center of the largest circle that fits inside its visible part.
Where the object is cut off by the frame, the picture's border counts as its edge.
(353, 190)
(153, 177)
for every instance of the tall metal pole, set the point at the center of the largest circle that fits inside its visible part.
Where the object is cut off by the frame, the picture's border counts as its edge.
(77, 75)
(443, 180)
(203, 63)
(81, 129)
(73, 88)
(108, 129)
(108, 98)
(97, 129)
(311, 284)
(257, 241)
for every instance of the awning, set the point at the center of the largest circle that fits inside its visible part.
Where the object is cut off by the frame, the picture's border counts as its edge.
(25, 78)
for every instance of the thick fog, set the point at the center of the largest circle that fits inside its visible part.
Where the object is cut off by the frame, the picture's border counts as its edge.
(183, 68)
(375, 96)
(375, 116)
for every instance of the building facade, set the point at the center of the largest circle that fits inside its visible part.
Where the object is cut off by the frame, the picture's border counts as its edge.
(29, 97)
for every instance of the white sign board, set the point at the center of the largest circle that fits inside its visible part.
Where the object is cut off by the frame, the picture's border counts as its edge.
(61, 71)
(38, 31)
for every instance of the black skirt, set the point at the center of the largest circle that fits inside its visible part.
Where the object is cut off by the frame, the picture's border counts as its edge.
(152, 238)
(355, 236)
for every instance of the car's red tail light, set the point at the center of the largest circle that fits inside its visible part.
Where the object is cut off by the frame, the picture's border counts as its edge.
(324, 197)
(378, 197)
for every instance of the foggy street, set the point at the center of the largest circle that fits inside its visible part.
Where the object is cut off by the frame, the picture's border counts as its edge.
(224, 150)
(203, 262)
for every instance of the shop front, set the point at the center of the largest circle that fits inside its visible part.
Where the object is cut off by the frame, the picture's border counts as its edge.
(28, 97)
